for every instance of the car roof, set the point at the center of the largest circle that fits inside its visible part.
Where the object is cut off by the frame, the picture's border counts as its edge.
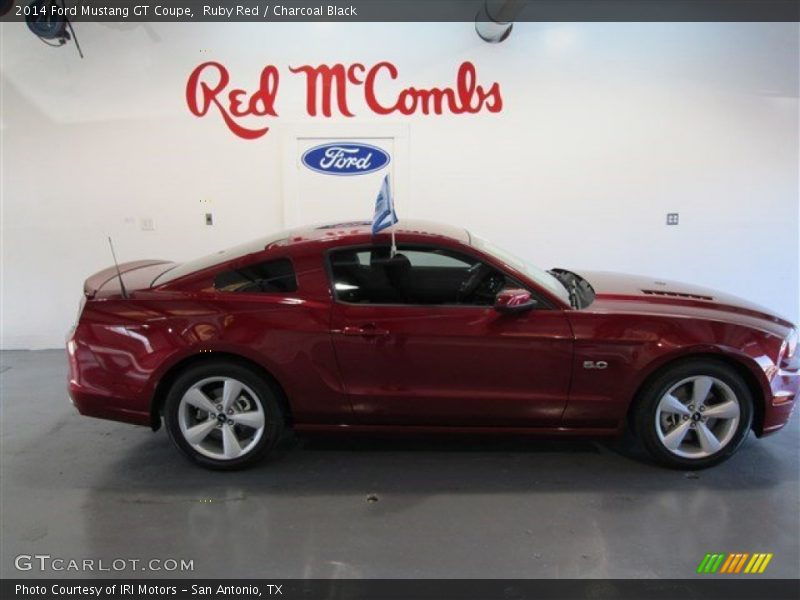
(357, 231)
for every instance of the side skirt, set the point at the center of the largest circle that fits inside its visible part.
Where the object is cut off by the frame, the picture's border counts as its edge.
(401, 429)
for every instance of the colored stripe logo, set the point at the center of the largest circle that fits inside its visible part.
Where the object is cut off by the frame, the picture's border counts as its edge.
(735, 563)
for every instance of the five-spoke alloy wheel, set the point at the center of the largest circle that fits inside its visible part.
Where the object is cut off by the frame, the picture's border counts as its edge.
(695, 414)
(222, 415)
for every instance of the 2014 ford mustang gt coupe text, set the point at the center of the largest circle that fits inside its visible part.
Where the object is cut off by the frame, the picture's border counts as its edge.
(328, 328)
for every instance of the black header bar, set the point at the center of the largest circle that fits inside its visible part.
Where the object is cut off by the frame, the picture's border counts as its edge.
(399, 10)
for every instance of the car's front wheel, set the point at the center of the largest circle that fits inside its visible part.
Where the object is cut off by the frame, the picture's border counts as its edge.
(223, 415)
(695, 414)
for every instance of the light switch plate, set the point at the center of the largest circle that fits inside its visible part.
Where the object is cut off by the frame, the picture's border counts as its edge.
(209, 219)
(672, 218)
(147, 224)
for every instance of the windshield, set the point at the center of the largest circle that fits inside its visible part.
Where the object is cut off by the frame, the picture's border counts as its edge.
(543, 278)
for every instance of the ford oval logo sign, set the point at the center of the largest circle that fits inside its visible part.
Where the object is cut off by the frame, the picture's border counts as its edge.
(345, 158)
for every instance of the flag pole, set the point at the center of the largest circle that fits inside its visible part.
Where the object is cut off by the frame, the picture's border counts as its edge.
(391, 195)
(385, 217)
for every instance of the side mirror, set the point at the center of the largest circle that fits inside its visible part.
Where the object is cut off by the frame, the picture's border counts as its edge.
(514, 301)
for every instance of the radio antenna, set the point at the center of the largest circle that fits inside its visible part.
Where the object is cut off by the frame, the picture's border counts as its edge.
(119, 275)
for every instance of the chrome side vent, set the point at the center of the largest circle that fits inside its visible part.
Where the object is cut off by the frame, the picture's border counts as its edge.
(677, 295)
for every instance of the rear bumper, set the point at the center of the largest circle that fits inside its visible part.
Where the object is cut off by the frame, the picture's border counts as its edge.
(98, 398)
(104, 407)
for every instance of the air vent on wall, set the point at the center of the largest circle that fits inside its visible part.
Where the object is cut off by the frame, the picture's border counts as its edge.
(676, 295)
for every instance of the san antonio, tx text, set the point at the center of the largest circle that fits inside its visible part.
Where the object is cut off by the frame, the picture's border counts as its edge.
(129, 589)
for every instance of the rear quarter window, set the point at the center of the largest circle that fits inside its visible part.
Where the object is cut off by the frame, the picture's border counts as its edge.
(205, 262)
(272, 276)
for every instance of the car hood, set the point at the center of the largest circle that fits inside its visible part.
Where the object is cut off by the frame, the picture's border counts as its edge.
(640, 293)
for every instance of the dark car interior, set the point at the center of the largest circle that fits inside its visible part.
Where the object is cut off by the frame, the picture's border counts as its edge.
(428, 276)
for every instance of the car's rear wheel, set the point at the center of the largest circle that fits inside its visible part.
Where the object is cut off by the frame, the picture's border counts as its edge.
(223, 415)
(695, 414)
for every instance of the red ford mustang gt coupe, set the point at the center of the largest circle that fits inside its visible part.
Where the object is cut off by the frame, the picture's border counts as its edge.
(329, 329)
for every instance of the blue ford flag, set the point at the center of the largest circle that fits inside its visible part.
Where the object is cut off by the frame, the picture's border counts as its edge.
(384, 208)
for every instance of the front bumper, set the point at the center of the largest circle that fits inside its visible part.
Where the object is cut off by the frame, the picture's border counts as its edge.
(778, 409)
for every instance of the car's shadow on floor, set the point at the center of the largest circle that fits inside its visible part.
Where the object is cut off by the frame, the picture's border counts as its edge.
(342, 465)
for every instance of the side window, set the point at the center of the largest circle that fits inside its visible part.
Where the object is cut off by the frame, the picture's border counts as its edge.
(264, 277)
(418, 276)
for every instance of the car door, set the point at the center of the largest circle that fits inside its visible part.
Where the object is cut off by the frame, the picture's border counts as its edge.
(414, 347)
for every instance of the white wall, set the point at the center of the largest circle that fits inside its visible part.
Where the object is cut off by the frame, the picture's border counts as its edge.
(606, 128)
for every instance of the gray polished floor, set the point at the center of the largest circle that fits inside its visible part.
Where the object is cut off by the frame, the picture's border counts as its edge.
(76, 488)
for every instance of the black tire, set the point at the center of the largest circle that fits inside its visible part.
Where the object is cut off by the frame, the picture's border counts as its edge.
(645, 415)
(262, 393)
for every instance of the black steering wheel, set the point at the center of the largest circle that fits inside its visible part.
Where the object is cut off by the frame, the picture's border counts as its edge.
(487, 291)
(475, 275)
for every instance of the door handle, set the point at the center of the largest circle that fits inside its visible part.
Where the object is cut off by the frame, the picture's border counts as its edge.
(364, 331)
